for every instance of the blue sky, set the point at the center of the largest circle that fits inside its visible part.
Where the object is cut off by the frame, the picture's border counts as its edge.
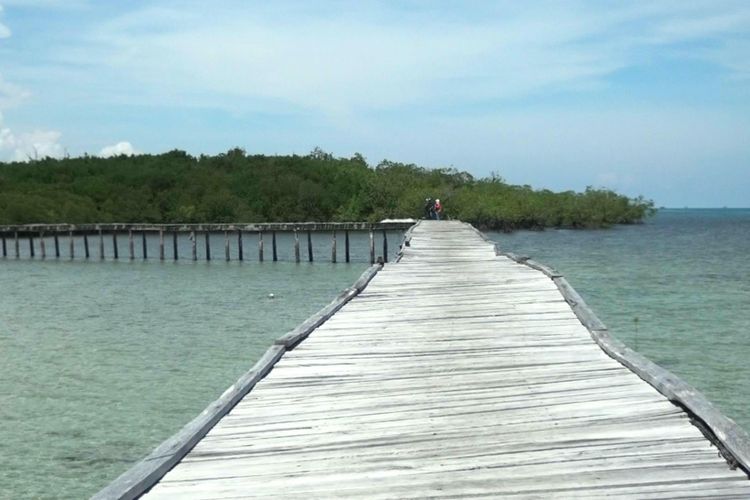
(648, 98)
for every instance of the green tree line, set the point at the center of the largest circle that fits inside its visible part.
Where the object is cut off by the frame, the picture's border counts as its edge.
(176, 187)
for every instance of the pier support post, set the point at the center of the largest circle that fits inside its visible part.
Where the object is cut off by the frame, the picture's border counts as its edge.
(5, 249)
(42, 245)
(71, 243)
(240, 253)
(161, 244)
(333, 247)
(143, 244)
(273, 244)
(346, 245)
(131, 244)
(208, 245)
(57, 246)
(86, 245)
(31, 245)
(174, 245)
(385, 246)
(309, 246)
(226, 245)
(18, 249)
(194, 241)
(260, 246)
(115, 250)
(296, 246)
(372, 247)
(101, 245)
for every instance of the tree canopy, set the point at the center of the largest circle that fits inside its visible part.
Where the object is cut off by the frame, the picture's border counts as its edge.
(176, 187)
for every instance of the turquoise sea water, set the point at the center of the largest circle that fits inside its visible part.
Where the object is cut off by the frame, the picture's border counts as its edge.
(676, 289)
(101, 361)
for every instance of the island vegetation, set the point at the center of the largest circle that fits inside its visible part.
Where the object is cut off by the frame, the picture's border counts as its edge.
(176, 187)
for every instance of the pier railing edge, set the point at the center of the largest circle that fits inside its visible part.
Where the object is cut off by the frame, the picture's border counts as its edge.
(406, 241)
(145, 474)
(732, 440)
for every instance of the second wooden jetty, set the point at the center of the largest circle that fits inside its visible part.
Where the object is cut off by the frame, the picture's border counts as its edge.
(455, 372)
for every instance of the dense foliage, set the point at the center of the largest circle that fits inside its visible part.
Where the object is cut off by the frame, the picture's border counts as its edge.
(236, 187)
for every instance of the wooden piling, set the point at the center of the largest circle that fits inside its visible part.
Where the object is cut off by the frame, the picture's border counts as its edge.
(143, 244)
(115, 250)
(385, 246)
(71, 243)
(42, 246)
(5, 250)
(273, 244)
(175, 253)
(309, 246)
(208, 245)
(296, 246)
(240, 253)
(194, 241)
(346, 245)
(57, 246)
(31, 245)
(226, 245)
(161, 244)
(131, 244)
(372, 247)
(260, 246)
(86, 245)
(18, 249)
(333, 247)
(101, 245)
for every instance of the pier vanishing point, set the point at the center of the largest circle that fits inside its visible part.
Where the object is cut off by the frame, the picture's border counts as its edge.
(456, 371)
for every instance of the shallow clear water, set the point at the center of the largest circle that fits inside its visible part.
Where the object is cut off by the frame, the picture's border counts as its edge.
(100, 362)
(676, 289)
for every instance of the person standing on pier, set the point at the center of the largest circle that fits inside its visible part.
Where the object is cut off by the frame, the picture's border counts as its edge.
(438, 209)
(429, 208)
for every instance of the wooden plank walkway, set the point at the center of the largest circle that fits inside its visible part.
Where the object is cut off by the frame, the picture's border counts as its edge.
(454, 373)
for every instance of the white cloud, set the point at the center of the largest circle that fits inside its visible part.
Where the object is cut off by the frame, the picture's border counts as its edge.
(121, 148)
(4, 30)
(28, 146)
(11, 94)
(377, 56)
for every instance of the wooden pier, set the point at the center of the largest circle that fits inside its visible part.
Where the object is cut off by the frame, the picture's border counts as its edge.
(37, 236)
(455, 372)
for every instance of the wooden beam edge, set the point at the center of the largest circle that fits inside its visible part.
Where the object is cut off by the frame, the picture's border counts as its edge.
(732, 440)
(145, 474)
(213, 227)
(406, 241)
(290, 339)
